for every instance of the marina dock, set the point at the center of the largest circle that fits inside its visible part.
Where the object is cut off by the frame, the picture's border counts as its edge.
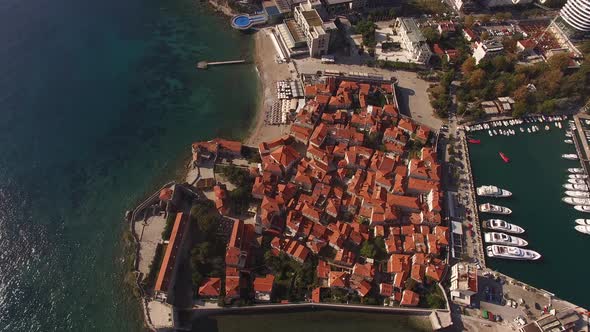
(580, 141)
(205, 64)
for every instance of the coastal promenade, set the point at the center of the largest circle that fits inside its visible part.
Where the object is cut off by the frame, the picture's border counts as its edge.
(470, 203)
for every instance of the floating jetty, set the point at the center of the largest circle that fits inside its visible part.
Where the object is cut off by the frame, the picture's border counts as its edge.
(205, 64)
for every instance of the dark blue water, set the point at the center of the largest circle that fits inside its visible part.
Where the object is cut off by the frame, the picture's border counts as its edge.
(99, 101)
(535, 176)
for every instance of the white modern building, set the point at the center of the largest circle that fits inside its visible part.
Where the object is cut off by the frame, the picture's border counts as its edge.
(316, 31)
(487, 49)
(576, 13)
(412, 40)
(463, 283)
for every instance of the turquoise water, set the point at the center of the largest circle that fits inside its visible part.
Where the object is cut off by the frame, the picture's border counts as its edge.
(99, 101)
(535, 176)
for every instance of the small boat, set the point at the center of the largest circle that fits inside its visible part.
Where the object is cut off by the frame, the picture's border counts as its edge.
(582, 208)
(568, 141)
(580, 187)
(583, 222)
(568, 134)
(575, 170)
(501, 238)
(577, 193)
(492, 191)
(576, 181)
(495, 209)
(503, 226)
(583, 229)
(528, 130)
(503, 156)
(576, 200)
(577, 176)
(474, 141)
(521, 130)
(500, 251)
(570, 156)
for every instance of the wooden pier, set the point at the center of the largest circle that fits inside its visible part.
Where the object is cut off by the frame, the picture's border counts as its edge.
(205, 64)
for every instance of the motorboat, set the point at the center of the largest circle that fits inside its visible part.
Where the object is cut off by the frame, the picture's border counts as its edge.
(474, 141)
(508, 252)
(583, 229)
(496, 209)
(503, 156)
(576, 200)
(577, 193)
(492, 191)
(577, 176)
(501, 238)
(582, 208)
(568, 141)
(501, 225)
(575, 170)
(580, 187)
(583, 222)
(570, 156)
(576, 181)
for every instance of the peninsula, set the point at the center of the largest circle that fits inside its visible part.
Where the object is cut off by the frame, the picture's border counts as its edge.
(354, 190)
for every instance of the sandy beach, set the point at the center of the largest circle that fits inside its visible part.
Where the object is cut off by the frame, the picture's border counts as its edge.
(269, 72)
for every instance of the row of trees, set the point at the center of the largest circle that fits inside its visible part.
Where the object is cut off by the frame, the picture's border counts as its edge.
(207, 254)
(241, 196)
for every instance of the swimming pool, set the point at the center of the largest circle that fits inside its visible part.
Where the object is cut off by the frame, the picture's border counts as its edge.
(245, 21)
(242, 21)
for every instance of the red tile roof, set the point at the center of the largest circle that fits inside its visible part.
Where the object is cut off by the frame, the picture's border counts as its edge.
(210, 287)
(169, 260)
(410, 298)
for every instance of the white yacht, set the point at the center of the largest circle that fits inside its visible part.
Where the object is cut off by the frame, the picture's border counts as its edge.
(581, 187)
(577, 193)
(508, 252)
(493, 191)
(583, 222)
(496, 209)
(501, 225)
(576, 200)
(577, 176)
(583, 229)
(582, 208)
(576, 181)
(570, 156)
(568, 141)
(501, 238)
(575, 170)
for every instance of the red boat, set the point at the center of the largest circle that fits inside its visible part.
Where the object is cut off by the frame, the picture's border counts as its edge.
(503, 156)
(474, 141)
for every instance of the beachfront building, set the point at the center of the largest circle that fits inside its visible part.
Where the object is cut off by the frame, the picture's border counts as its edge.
(412, 40)
(487, 49)
(463, 283)
(315, 30)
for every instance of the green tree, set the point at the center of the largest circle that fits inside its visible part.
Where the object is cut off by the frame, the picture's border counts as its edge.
(368, 250)
(476, 79)
(468, 66)
(431, 35)
(559, 62)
